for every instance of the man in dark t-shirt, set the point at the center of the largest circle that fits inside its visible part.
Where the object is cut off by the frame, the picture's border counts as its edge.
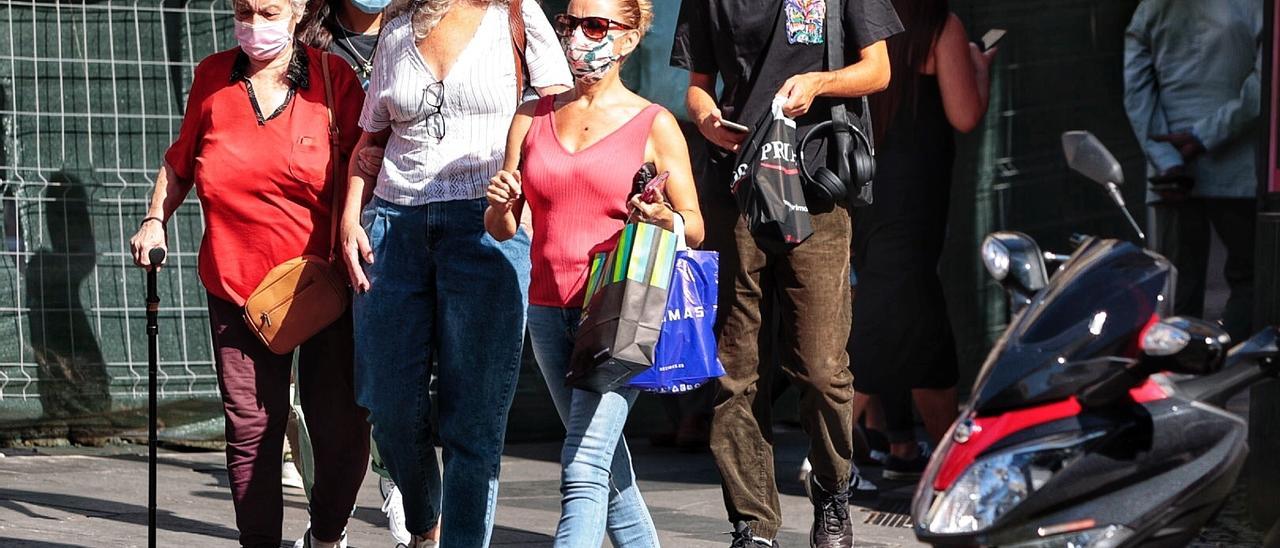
(761, 50)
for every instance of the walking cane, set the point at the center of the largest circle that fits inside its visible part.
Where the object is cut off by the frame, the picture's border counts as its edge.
(153, 357)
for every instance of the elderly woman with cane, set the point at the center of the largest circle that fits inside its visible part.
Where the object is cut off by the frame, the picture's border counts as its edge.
(255, 144)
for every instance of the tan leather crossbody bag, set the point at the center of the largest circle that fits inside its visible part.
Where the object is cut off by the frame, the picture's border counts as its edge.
(302, 296)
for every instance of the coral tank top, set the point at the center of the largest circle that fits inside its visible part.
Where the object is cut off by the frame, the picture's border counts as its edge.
(578, 200)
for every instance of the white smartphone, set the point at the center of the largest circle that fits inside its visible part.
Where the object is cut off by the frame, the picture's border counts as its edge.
(991, 38)
(734, 126)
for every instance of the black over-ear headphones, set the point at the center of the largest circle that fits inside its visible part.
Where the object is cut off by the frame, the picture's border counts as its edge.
(826, 186)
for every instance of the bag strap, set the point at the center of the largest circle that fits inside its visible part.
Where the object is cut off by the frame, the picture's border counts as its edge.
(842, 135)
(518, 41)
(678, 228)
(334, 154)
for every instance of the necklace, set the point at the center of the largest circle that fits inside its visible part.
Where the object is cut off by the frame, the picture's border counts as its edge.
(365, 68)
(366, 65)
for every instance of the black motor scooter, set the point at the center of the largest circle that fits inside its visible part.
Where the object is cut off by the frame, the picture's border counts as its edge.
(1097, 418)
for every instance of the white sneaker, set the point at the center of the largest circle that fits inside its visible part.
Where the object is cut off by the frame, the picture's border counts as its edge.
(308, 541)
(289, 476)
(805, 470)
(393, 507)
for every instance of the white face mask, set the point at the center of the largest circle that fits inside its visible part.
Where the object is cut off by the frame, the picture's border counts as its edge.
(589, 60)
(264, 41)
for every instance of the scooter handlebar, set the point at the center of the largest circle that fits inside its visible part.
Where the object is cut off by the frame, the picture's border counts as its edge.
(1249, 362)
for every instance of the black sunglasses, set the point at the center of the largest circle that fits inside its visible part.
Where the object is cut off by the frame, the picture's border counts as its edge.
(433, 97)
(594, 28)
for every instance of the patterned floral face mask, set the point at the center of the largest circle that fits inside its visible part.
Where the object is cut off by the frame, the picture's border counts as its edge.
(589, 60)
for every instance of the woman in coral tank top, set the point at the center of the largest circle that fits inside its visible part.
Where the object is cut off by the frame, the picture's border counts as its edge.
(571, 159)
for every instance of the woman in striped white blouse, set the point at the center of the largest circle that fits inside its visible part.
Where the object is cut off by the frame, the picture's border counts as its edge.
(445, 84)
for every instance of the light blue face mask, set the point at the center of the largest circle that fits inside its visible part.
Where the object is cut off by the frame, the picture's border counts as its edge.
(370, 6)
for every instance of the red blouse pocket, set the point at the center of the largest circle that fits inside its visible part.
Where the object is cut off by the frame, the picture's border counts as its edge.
(309, 160)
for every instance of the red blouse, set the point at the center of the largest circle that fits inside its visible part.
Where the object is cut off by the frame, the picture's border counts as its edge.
(263, 178)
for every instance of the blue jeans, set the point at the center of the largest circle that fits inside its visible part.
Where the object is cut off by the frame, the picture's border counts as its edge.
(440, 286)
(597, 485)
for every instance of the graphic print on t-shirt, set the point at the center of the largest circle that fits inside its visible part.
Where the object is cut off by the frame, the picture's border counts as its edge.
(805, 21)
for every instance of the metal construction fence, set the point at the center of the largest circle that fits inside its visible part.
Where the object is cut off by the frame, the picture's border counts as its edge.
(91, 94)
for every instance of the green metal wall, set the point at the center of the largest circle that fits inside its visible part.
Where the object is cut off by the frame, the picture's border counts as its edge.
(1059, 68)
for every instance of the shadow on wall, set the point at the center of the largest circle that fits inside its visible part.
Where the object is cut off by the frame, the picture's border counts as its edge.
(73, 381)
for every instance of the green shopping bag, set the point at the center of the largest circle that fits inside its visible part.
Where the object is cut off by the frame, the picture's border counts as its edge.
(625, 303)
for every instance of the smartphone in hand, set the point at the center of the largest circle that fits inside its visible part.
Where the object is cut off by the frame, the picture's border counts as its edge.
(991, 38)
(653, 190)
(734, 126)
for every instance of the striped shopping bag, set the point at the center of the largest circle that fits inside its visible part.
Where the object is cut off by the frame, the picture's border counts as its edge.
(625, 303)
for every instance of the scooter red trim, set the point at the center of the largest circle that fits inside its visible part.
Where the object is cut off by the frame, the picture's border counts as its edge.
(986, 431)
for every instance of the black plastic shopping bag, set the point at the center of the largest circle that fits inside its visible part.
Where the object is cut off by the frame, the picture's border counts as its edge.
(625, 304)
(767, 184)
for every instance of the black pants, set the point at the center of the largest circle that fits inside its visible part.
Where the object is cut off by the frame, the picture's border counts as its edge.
(1183, 237)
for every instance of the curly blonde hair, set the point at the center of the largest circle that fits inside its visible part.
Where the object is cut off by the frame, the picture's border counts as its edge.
(426, 14)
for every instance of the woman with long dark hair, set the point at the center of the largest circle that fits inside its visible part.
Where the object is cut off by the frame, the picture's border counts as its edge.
(901, 344)
(350, 29)
(346, 28)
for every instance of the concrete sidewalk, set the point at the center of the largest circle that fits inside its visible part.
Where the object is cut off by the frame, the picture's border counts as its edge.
(92, 497)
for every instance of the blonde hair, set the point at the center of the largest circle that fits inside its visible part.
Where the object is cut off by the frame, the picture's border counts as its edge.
(638, 13)
(424, 14)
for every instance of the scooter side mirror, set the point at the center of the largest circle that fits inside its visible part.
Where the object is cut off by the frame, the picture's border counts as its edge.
(1185, 345)
(1088, 156)
(1014, 260)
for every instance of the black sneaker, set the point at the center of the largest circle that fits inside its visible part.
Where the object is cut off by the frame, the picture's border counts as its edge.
(898, 469)
(743, 537)
(832, 527)
(861, 490)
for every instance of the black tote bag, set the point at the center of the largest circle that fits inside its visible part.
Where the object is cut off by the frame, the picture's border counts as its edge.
(767, 184)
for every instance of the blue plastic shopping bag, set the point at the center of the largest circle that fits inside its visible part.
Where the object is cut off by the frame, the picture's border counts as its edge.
(685, 356)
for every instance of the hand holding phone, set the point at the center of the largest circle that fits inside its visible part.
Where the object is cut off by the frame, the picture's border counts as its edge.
(653, 190)
(734, 126)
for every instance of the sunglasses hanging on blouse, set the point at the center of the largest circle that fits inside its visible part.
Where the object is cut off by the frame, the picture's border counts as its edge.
(433, 99)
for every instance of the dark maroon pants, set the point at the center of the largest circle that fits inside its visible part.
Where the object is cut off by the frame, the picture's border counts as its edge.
(255, 400)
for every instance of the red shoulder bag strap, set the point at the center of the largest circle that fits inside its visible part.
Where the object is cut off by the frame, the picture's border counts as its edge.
(335, 212)
(516, 14)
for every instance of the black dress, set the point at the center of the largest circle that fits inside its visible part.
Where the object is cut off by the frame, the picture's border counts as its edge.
(901, 337)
